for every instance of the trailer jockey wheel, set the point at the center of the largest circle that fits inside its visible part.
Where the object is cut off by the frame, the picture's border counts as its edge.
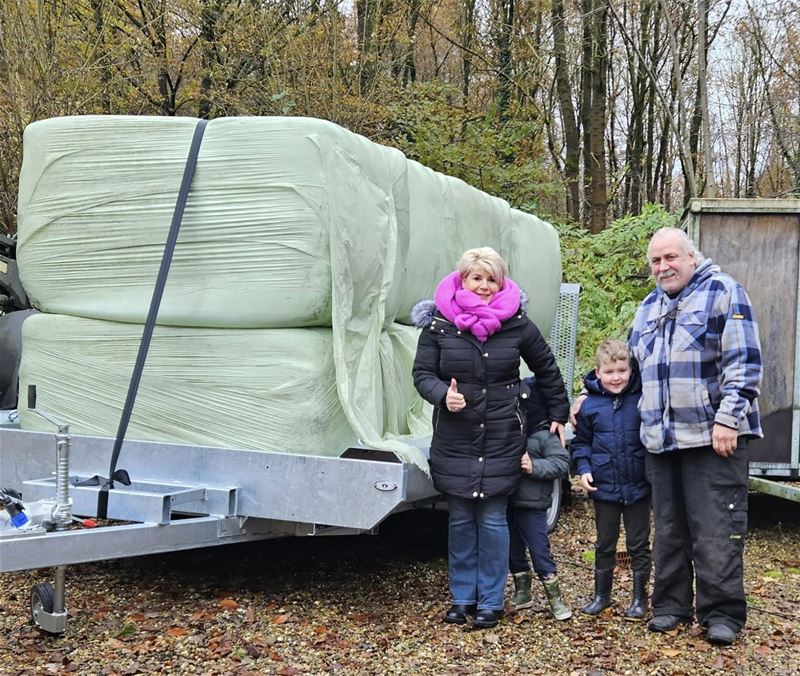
(42, 601)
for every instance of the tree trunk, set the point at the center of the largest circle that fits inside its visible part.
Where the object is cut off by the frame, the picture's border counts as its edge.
(366, 23)
(505, 28)
(98, 15)
(209, 18)
(572, 139)
(710, 188)
(595, 66)
(587, 73)
(409, 63)
(467, 34)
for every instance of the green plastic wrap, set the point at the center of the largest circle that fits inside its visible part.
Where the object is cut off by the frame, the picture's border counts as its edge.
(534, 261)
(263, 389)
(448, 217)
(290, 223)
(271, 199)
(97, 194)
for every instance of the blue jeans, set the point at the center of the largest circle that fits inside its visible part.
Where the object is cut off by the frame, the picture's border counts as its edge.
(478, 551)
(528, 527)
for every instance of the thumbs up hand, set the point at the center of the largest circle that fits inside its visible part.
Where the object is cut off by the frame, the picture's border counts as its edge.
(454, 401)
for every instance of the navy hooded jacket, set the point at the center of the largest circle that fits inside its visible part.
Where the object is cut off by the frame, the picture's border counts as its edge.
(607, 442)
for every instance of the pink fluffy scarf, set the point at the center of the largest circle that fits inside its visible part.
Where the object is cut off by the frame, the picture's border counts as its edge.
(468, 312)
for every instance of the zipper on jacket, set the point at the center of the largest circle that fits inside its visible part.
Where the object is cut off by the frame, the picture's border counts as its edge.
(519, 418)
(436, 421)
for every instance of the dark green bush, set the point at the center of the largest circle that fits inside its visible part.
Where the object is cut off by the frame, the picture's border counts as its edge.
(612, 269)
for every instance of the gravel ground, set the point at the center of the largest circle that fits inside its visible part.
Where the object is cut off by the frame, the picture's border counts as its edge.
(374, 605)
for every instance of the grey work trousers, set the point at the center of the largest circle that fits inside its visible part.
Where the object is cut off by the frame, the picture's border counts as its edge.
(700, 522)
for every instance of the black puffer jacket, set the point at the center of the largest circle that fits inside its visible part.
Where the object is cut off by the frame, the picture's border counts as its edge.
(475, 453)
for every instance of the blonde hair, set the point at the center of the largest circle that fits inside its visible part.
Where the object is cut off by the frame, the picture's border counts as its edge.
(611, 350)
(485, 258)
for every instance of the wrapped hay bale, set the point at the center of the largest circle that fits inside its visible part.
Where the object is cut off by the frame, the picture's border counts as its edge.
(263, 389)
(97, 195)
(534, 261)
(274, 206)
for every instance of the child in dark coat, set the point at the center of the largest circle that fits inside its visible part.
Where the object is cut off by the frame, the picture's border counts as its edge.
(609, 457)
(545, 460)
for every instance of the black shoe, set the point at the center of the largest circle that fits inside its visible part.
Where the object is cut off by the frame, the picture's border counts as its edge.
(721, 634)
(458, 614)
(486, 619)
(664, 623)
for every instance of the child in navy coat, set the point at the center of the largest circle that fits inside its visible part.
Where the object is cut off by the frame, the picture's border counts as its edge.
(609, 457)
(544, 461)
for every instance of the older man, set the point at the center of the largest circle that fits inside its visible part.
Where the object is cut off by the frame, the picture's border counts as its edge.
(695, 339)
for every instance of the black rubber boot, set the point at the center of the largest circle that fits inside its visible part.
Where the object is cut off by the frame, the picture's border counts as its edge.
(638, 608)
(603, 583)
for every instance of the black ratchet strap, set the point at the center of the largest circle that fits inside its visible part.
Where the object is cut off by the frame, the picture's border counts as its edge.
(149, 325)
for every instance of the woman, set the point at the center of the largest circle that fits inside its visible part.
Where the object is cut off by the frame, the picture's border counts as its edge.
(467, 365)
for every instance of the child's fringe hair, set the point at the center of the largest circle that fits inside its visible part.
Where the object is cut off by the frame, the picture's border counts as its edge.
(611, 350)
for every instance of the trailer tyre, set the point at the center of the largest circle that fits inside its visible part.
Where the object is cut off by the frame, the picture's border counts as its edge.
(554, 510)
(42, 601)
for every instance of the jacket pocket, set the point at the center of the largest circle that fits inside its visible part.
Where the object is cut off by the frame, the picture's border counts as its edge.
(690, 331)
(708, 407)
(602, 469)
(646, 344)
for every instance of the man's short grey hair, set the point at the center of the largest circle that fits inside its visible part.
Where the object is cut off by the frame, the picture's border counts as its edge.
(688, 245)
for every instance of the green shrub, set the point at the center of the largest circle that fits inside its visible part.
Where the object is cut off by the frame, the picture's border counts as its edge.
(612, 269)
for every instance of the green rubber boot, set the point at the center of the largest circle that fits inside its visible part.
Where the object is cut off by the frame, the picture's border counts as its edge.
(522, 590)
(560, 610)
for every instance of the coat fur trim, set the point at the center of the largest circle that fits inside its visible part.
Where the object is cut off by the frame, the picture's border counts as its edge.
(422, 313)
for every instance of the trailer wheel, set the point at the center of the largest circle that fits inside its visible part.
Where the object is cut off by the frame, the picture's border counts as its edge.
(554, 510)
(42, 601)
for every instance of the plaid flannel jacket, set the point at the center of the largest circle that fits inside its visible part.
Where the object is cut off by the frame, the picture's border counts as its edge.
(700, 362)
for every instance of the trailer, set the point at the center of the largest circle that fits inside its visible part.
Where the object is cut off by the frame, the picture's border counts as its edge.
(183, 497)
(153, 496)
(757, 242)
